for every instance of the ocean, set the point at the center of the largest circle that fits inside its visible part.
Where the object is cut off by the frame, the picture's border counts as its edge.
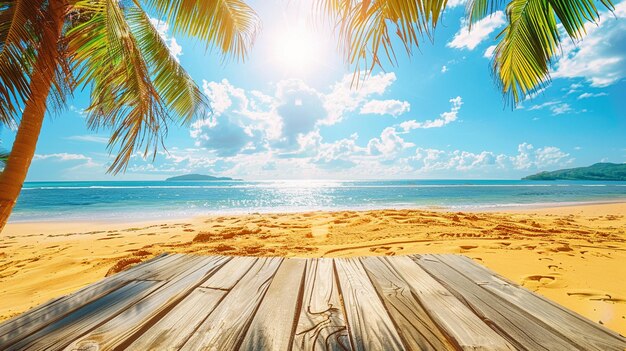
(143, 200)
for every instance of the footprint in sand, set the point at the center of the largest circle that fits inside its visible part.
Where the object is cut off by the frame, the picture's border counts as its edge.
(467, 247)
(537, 281)
(594, 295)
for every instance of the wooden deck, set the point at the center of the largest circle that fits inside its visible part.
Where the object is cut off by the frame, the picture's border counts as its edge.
(421, 302)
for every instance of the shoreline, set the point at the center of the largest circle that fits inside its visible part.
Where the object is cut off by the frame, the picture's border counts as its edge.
(572, 254)
(491, 208)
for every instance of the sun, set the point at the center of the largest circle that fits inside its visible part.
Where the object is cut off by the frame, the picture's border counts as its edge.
(297, 48)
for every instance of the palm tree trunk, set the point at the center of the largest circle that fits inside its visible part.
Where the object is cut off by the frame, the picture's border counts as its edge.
(23, 150)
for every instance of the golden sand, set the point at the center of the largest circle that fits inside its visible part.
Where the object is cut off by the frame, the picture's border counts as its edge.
(574, 255)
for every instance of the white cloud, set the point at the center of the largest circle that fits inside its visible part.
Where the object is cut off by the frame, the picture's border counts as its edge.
(80, 111)
(529, 157)
(221, 95)
(89, 138)
(388, 144)
(561, 109)
(489, 51)
(455, 3)
(556, 108)
(444, 69)
(83, 160)
(64, 156)
(428, 160)
(469, 39)
(600, 58)
(346, 96)
(444, 118)
(590, 95)
(253, 122)
(385, 107)
(534, 94)
(162, 27)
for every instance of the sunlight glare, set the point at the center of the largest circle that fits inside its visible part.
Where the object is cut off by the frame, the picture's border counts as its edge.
(297, 48)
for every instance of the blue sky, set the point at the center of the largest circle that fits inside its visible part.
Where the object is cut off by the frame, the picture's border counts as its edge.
(289, 111)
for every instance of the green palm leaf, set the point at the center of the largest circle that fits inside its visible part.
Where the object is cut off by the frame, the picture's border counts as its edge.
(123, 97)
(137, 86)
(230, 25)
(176, 88)
(530, 41)
(18, 36)
(367, 28)
(479, 9)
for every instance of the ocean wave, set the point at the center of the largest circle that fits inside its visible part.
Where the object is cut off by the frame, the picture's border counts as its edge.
(308, 186)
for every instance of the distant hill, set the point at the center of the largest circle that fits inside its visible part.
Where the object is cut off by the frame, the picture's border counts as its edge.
(197, 177)
(598, 171)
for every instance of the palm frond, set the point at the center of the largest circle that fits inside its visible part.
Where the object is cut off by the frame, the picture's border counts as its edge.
(178, 91)
(527, 45)
(531, 39)
(123, 97)
(19, 35)
(479, 9)
(229, 25)
(366, 28)
(574, 14)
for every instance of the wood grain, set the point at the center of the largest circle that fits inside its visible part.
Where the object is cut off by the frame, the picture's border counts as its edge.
(226, 326)
(124, 326)
(465, 328)
(174, 329)
(322, 324)
(584, 333)
(37, 318)
(369, 325)
(60, 333)
(521, 329)
(415, 326)
(282, 299)
(419, 302)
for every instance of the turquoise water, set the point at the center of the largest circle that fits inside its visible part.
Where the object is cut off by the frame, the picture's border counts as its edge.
(159, 199)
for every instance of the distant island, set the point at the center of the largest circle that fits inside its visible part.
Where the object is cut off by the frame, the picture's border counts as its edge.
(598, 171)
(197, 177)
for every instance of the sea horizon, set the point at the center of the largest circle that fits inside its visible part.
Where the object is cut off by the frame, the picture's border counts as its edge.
(136, 200)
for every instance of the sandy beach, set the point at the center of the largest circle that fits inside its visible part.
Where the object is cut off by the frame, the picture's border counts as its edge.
(573, 255)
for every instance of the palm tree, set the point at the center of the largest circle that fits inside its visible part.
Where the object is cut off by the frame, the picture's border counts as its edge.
(50, 48)
(525, 49)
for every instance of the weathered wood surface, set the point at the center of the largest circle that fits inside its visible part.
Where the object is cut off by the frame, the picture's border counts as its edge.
(582, 332)
(419, 302)
(417, 329)
(322, 324)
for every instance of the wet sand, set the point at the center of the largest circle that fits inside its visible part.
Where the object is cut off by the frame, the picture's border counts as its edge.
(574, 255)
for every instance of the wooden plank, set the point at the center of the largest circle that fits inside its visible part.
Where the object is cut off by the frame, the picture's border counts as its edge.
(225, 327)
(174, 329)
(415, 326)
(58, 334)
(462, 326)
(230, 274)
(519, 327)
(585, 333)
(170, 270)
(322, 324)
(281, 301)
(369, 325)
(31, 321)
(120, 330)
